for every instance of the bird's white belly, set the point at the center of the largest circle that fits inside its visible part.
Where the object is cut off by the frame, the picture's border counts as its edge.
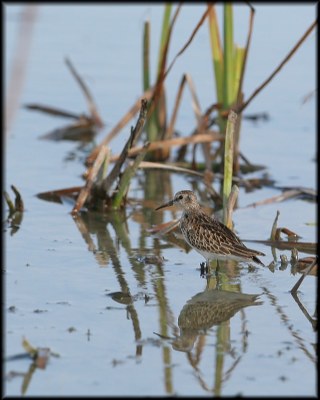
(212, 256)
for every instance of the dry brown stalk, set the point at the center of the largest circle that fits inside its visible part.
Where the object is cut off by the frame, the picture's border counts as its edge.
(195, 103)
(291, 235)
(304, 274)
(150, 93)
(158, 87)
(283, 196)
(85, 191)
(53, 111)
(304, 263)
(201, 21)
(305, 247)
(163, 74)
(91, 104)
(120, 125)
(241, 107)
(162, 144)
(202, 120)
(170, 129)
(135, 134)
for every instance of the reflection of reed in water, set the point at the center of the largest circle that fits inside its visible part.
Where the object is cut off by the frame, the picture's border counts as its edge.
(95, 225)
(206, 309)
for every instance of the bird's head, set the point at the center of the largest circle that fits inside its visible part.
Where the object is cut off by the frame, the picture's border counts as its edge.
(184, 199)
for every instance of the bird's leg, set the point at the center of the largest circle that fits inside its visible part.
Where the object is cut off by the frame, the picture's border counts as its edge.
(202, 265)
(217, 272)
(207, 266)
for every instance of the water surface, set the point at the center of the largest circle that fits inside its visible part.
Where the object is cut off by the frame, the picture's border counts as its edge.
(83, 287)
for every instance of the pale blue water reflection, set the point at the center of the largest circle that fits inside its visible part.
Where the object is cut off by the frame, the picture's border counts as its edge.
(61, 273)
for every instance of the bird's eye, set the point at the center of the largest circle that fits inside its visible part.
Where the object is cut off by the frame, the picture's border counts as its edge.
(180, 197)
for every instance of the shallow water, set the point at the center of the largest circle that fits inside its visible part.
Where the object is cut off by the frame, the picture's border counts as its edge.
(85, 287)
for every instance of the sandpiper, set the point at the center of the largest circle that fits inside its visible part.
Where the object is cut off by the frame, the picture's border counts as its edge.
(208, 236)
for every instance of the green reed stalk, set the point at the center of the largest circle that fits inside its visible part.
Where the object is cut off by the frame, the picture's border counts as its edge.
(228, 162)
(228, 63)
(124, 183)
(217, 53)
(228, 56)
(164, 35)
(154, 124)
(146, 56)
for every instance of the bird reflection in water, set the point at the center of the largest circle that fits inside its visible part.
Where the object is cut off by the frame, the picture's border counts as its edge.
(206, 309)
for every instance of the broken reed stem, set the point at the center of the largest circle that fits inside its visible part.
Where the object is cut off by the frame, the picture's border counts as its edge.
(230, 206)
(85, 191)
(12, 209)
(228, 162)
(124, 183)
(274, 227)
(18, 203)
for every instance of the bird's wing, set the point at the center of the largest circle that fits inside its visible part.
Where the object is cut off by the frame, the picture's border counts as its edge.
(227, 239)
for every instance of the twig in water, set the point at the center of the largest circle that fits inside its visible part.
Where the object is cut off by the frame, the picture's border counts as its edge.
(304, 274)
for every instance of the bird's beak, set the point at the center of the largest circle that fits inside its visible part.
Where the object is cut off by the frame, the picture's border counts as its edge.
(169, 204)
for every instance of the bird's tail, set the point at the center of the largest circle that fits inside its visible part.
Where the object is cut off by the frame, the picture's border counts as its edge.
(256, 259)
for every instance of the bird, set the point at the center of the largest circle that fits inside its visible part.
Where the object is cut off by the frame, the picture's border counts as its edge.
(206, 234)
